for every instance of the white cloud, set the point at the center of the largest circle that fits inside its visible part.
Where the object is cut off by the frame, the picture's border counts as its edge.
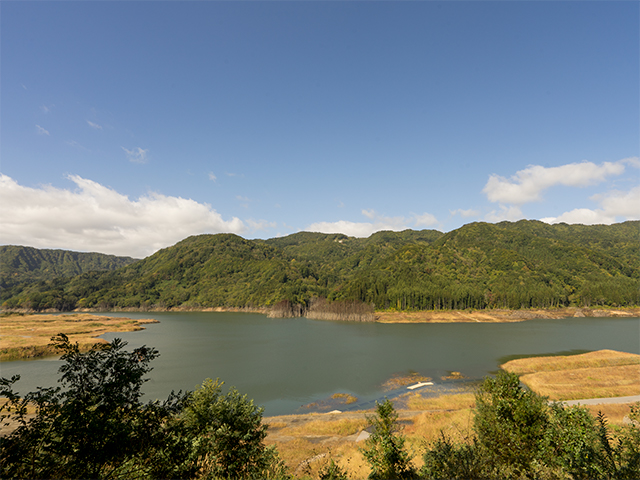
(94, 125)
(45, 109)
(352, 229)
(42, 131)
(137, 155)
(465, 213)
(378, 223)
(621, 204)
(97, 218)
(583, 216)
(212, 177)
(528, 185)
(613, 206)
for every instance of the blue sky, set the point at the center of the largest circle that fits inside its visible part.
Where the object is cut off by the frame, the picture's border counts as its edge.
(127, 126)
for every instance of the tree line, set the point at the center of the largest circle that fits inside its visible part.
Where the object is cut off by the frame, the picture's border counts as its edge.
(526, 264)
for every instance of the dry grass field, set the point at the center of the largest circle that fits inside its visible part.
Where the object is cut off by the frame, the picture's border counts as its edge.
(601, 374)
(28, 336)
(308, 442)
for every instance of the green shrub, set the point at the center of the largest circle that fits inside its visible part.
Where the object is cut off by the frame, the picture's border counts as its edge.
(384, 450)
(95, 425)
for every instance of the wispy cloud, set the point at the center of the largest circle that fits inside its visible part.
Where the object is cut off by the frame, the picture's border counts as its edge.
(245, 201)
(94, 125)
(137, 155)
(257, 225)
(45, 109)
(96, 218)
(465, 213)
(369, 213)
(42, 131)
(74, 144)
(510, 213)
(212, 177)
(425, 220)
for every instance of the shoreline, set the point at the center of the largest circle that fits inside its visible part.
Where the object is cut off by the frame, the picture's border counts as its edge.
(395, 316)
(503, 315)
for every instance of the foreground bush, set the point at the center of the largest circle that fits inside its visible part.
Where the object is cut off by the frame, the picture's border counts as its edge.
(385, 450)
(96, 426)
(517, 434)
(227, 435)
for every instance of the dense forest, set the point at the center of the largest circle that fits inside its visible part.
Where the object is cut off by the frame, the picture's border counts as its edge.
(506, 265)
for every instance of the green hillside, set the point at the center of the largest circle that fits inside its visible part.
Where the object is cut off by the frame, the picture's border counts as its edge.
(26, 264)
(507, 265)
(480, 265)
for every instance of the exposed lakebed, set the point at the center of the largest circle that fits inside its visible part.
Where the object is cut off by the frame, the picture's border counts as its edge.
(286, 363)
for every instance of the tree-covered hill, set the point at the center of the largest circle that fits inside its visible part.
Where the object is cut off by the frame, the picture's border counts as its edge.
(621, 240)
(480, 265)
(484, 265)
(26, 264)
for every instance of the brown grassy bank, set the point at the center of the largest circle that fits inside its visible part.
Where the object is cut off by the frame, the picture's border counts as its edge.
(601, 374)
(307, 442)
(28, 336)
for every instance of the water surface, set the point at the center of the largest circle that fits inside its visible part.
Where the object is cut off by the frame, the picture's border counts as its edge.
(285, 363)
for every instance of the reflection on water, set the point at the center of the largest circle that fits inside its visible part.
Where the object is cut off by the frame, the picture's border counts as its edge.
(286, 363)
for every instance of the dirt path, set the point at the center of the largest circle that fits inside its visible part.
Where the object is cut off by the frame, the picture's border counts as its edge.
(603, 401)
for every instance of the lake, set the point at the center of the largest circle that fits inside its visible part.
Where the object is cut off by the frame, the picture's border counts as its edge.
(285, 363)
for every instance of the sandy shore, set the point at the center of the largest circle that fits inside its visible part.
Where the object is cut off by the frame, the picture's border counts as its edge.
(499, 315)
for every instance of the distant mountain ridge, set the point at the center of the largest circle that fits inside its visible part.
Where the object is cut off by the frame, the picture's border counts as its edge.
(28, 264)
(480, 265)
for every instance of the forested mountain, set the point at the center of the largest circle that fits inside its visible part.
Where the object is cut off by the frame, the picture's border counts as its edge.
(483, 265)
(26, 264)
(480, 265)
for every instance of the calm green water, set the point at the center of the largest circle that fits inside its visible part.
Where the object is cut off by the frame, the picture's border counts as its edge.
(285, 363)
